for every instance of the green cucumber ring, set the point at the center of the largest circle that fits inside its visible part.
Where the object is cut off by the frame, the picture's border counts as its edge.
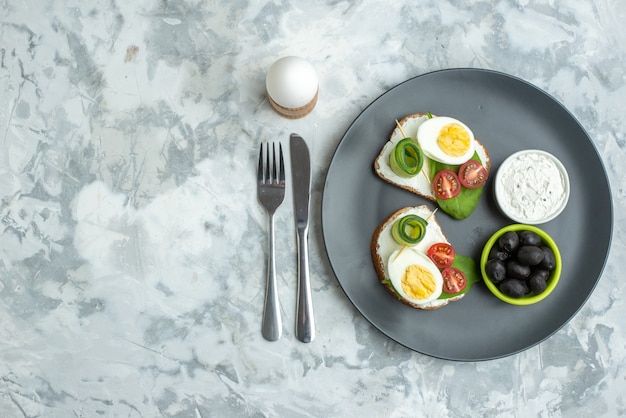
(407, 158)
(409, 230)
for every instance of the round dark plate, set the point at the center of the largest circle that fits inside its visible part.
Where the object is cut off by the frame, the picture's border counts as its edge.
(506, 114)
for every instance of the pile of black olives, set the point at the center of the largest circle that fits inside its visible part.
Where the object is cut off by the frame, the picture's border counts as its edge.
(520, 263)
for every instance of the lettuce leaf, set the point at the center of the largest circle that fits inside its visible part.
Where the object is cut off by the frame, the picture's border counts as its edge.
(462, 205)
(468, 266)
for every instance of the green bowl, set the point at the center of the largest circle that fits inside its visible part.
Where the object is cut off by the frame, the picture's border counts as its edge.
(531, 298)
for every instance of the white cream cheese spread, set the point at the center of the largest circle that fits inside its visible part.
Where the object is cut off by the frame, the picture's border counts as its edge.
(532, 186)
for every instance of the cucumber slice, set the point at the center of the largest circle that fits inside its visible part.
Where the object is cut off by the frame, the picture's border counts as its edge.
(407, 158)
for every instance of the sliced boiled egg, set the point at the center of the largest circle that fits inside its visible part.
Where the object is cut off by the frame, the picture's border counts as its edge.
(446, 140)
(414, 276)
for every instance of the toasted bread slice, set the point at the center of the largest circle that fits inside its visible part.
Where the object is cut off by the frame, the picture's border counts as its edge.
(383, 244)
(419, 184)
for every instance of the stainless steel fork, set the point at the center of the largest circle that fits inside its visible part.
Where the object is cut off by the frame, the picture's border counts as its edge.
(271, 192)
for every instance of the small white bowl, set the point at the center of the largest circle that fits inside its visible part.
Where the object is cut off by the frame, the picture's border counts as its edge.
(531, 187)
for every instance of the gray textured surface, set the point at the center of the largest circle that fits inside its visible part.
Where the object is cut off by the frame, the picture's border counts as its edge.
(132, 245)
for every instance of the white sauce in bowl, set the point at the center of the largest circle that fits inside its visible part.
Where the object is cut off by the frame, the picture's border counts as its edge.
(532, 186)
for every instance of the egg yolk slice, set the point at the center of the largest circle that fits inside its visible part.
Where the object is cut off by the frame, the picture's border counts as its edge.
(418, 282)
(454, 140)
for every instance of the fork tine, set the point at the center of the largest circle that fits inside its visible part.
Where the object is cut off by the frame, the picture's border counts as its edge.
(260, 169)
(267, 163)
(274, 178)
(282, 164)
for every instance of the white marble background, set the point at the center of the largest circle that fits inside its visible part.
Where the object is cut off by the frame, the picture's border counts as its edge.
(132, 245)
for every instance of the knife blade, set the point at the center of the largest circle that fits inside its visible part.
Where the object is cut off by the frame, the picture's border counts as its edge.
(301, 178)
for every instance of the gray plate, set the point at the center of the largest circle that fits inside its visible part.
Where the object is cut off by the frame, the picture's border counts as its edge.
(506, 114)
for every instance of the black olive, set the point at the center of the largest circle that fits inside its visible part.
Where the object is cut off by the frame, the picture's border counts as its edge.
(514, 288)
(529, 255)
(496, 270)
(549, 261)
(509, 241)
(537, 283)
(529, 238)
(498, 253)
(516, 270)
(541, 272)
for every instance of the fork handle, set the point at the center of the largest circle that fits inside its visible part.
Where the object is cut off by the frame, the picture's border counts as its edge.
(272, 327)
(305, 323)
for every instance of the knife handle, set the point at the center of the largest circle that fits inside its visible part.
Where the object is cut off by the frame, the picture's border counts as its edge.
(305, 323)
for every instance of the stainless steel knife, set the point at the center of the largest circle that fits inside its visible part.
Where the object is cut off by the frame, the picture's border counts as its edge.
(301, 175)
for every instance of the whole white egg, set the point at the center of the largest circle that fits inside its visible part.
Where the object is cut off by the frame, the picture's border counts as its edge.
(414, 276)
(446, 140)
(292, 82)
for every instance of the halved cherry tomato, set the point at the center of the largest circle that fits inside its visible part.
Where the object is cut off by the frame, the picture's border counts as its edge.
(454, 280)
(442, 254)
(472, 174)
(446, 184)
